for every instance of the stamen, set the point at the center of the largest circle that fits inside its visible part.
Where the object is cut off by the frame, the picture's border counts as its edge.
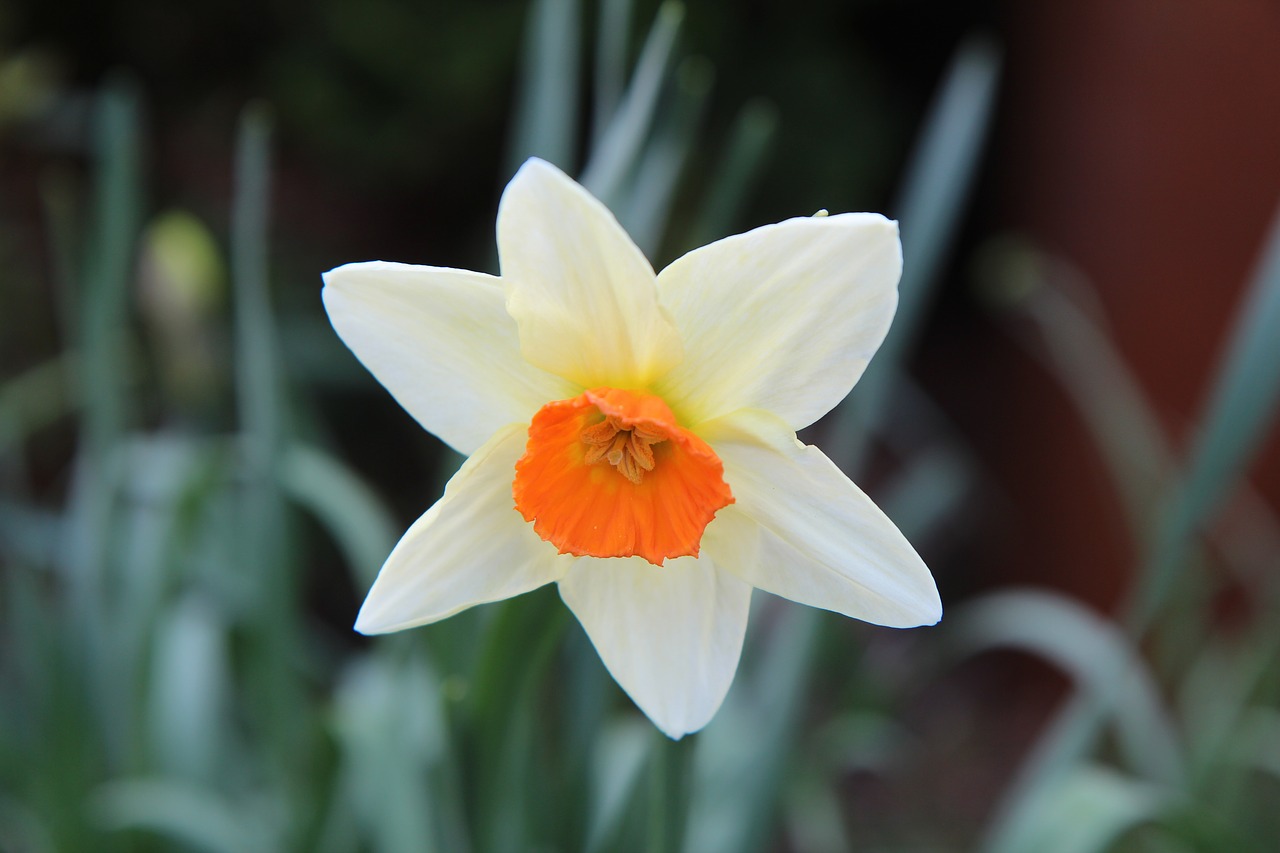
(628, 449)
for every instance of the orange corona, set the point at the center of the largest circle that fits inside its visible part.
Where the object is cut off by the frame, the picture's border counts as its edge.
(610, 473)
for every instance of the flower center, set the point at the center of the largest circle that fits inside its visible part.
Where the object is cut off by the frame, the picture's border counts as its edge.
(671, 483)
(629, 451)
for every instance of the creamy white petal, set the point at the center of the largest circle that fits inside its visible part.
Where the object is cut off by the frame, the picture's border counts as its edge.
(580, 290)
(471, 547)
(822, 541)
(783, 318)
(670, 635)
(441, 341)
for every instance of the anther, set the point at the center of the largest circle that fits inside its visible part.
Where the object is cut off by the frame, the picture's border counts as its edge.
(628, 449)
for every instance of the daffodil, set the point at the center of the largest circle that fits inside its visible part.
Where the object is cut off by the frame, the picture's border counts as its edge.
(631, 437)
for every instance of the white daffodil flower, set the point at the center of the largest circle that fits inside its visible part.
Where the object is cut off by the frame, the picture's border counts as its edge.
(631, 437)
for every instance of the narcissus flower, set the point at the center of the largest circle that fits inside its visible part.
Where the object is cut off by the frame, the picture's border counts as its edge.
(631, 437)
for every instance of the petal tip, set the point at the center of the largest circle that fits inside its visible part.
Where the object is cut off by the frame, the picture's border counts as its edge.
(536, 166)
(929, 612)
(673, 724)
(365, 626)
(675, 733)
(537, 163)
(343, 273)
(368, 621)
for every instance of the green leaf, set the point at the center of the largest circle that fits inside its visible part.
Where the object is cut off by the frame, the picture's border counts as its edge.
(735, 172)
(615, 156)
(1087, 811)
(1214, 699)
(934, 192)
(37, 398)
(1245, 392)
(391, 735)
(622, 750)
(257, 368)
(1094, 652)
(185, 813)
(1255, 742)
(93, 531)
(353, 514)
(109, 265)
(647, 199)
(1242, 404)
(190, 691)
(546, 110)
(742, 755)
(1077, 349)
(613, 37)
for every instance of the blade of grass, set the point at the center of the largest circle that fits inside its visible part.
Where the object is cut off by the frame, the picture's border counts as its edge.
(1256, 741)
(29, 535)
(668, 794)
(735, 172)
(742, 755)
(930, 207)
(95, 491)
(1077, 349)
(190, 691)
(650, 193)
(1081, 353)
(927, 492)
(263, 555)
(108, 268)
(613, 36)
(1097, 655)
(505, 709)
(1241, 407)
(546, 110)
(389, 726)
(352, 513)
(37, 398)
(584, 688)
(931, 202)
(615, 155)
(1214, 697)
(23, 829)
(939, 176)
(1089, 811)
(167, 477)
(257, 371)
(190, 814)
(58, 205)
(622, 750)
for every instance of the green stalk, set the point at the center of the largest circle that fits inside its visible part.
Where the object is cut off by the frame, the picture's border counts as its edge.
(108, 271)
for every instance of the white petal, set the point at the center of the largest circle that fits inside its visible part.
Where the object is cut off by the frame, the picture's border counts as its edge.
(442, 343)
(581, 291)
(670, 635)
(470, 548)
(823, 542)
(783, 318)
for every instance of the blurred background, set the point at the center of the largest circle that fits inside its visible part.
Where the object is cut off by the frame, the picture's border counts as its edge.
(1072, 420)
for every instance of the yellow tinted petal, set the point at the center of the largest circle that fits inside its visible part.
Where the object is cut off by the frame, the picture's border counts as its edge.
(822, 541)
(441, 341)
(471, 547)
(783, 318)
(669, 635)
(582, 293)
